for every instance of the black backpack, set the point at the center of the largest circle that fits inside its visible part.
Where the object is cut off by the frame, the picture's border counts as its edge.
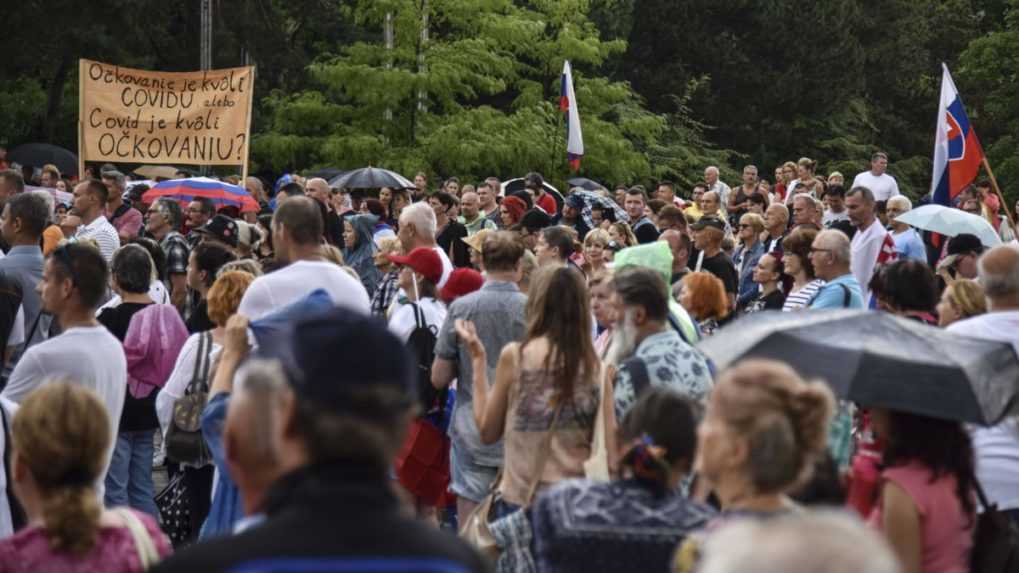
(422, 343)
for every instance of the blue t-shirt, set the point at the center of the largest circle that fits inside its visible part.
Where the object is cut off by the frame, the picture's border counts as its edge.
(909, 245)
(833, 294)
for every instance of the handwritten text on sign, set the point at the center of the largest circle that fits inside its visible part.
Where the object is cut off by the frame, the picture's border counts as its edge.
(137, 116)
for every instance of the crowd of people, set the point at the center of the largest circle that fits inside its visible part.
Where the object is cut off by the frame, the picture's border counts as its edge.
(344, 375)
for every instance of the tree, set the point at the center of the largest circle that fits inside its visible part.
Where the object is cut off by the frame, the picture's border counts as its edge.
(987, 80)
(478, 97)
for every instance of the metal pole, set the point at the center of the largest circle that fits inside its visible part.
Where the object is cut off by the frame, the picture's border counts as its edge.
(422, 67)
(205, 54)
(389, 54)
(206, 35)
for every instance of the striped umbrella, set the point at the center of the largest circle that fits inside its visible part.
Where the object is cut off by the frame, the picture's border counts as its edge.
(185, 190)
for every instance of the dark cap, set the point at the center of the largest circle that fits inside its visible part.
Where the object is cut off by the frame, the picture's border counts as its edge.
(705, 222)
(535, 220)
(964, 243)
(222, 229)
(341, 350)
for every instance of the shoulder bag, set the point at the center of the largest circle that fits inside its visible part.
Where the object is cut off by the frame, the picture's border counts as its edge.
(184, 441)
(148, 555)
(475, 529)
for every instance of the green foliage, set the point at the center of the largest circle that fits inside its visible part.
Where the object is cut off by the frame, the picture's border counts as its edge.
(479, 98)
(989, 71)
(21, 102)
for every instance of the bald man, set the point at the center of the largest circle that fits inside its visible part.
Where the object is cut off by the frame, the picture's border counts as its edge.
(318, 189)
(776, 225)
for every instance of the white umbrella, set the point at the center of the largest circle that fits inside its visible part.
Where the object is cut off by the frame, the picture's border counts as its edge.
(951, 222)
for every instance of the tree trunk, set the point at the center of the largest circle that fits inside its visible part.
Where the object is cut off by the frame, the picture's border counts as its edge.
(55, 97)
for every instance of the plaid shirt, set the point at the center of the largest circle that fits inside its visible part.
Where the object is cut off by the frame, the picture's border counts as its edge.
(177, 253)
(385, 294)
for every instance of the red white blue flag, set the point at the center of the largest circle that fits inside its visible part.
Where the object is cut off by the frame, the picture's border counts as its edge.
(957, 151)
(568, 104)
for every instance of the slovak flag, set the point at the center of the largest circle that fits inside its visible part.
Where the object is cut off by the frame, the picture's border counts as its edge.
(957, 151)
(568, 104)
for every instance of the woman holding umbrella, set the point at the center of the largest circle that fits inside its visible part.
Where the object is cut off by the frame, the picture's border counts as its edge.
(927, 508)
(359, 249)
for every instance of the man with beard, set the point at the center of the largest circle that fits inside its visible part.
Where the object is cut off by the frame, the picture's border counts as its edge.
(645, 349)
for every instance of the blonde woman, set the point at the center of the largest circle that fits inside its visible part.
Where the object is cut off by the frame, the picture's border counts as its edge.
(962, 299)
(60, 438)
(595, 244)
(621, 234)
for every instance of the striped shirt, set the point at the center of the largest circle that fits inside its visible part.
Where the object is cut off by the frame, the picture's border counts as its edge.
(798, 299)
(102, 232)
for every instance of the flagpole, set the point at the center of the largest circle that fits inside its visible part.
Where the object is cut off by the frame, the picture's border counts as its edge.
(997, 190)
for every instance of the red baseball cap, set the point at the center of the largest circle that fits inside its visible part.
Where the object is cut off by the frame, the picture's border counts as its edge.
(461, 281)
(422, 260)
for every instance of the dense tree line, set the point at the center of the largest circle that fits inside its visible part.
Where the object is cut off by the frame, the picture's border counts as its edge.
(664, 87)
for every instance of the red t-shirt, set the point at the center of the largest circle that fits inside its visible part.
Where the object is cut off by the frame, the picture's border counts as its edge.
(547, 203)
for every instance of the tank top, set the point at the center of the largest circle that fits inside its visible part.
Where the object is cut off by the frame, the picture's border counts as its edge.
(946, 530)
(529, 416)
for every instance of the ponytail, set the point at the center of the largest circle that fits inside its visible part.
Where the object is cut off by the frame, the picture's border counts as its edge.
(647, 462)
(71, 518)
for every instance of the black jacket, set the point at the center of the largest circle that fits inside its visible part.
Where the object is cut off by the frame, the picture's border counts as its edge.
(339, 512)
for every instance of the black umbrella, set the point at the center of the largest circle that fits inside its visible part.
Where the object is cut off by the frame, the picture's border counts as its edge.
(879, 359)
(39, 154)
(370, 178)
(517, 184)
(585, 183)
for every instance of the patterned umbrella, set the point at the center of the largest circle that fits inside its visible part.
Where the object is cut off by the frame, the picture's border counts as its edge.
(185, 190)
(590, 199)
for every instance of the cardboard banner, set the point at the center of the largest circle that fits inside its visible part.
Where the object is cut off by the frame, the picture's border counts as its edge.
(189, 118)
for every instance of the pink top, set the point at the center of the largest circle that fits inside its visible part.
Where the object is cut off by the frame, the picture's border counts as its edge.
(28, 551)
(947, 530)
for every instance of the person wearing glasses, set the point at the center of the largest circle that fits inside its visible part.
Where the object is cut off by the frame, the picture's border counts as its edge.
(830, 254)
(751, 227)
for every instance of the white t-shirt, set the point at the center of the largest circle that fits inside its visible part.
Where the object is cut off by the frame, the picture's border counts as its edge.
(297, 280)
(87, 355)
(6, 522)
(157, 292)
(103, 233)
(403, 322)
(832, 217)
(865, 249)
(17, 336)
(997, 447)
(883, 186)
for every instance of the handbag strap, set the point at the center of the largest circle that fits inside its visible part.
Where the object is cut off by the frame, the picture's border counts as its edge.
(143, 543)
(982, 497)
(200, 378)
(543, 456)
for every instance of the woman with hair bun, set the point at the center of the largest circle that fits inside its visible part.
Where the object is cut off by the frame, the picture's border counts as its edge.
(60, 437)
(763, 431)
(635, 522)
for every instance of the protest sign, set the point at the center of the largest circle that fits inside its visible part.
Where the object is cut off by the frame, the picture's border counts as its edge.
(139, 116)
